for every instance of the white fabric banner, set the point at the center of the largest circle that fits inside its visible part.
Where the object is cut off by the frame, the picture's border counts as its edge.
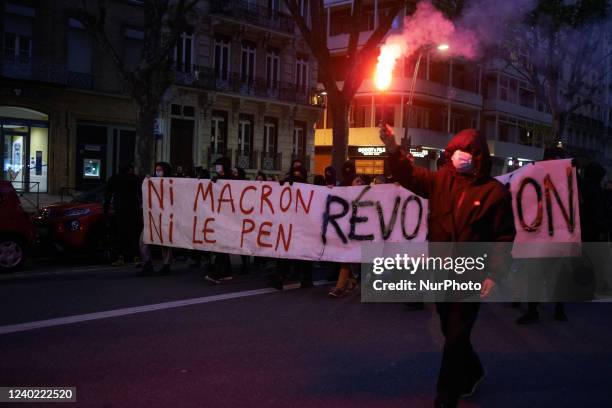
(303, 221)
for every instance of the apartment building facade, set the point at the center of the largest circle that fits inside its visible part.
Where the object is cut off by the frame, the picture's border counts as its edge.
(244, 88)
(450, 94)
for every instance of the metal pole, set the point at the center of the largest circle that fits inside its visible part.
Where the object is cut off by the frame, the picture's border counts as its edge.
(405, 140)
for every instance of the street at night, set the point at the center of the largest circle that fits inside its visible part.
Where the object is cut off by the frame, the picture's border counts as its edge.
(306, 203)
(242, 344)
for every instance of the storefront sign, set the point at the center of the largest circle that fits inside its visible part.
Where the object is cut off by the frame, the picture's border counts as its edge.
(370, 150)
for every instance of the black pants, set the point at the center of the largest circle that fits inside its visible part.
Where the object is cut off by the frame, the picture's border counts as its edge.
(300, 269)
(460, 365)
(222, 267)
(128, 230)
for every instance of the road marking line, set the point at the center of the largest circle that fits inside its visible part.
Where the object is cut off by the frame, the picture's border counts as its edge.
(60, 321)
(66, 271)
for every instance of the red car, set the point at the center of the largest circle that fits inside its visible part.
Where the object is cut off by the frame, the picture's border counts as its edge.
(16, 229)
(77, 226)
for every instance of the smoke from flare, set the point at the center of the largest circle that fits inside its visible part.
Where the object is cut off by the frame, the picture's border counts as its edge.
(477, 28)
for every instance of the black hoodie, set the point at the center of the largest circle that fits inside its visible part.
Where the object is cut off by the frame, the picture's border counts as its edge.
(297, 167)
(463, 207)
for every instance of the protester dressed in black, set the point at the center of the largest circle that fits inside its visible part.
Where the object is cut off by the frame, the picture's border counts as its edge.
(123, 195)
(302, 269)
(222, 267)
(465, 205)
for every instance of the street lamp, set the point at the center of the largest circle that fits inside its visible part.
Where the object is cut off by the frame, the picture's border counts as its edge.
(405, 140)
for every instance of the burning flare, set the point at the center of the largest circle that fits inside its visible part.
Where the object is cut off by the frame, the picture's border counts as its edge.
(389, 54)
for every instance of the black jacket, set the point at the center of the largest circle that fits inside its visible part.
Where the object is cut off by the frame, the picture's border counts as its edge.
(463, 207)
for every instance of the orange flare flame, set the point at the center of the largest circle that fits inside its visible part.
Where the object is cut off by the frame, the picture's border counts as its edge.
(389, 54)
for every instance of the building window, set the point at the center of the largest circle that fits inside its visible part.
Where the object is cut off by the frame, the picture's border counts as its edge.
(218, 127)
(272, 69)
(304, 8)
(503, 88)
(361, 114)
(419, 118)
(222, 59)
(79, 48)
(388, 116)
(274, 7)
(245, 134)
(183, 52)
(299, 138)
(340, 20)
(270, 137)
(504, 132)
(132, 47)
(247, 63)
(17, 48)
(301, 73)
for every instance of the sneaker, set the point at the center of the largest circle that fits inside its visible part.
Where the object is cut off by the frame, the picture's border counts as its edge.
(474, 388)
(336, 292)
(528, 318)
(212, 279)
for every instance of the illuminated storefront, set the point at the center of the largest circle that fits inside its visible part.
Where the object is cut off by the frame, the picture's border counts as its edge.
(25, 148)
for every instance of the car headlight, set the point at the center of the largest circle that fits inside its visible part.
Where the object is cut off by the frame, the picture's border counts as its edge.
(77, 212)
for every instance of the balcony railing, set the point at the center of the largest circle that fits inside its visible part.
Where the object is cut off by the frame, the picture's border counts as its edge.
(205, 78)
(254, 14)
(270, 161)
(46, 72)
(43, 72)
(246, 159)
(80, 80)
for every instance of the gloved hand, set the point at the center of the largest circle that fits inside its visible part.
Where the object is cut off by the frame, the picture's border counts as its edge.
(388, 138)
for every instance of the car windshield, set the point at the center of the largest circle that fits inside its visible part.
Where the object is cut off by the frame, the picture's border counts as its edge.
(95, 195)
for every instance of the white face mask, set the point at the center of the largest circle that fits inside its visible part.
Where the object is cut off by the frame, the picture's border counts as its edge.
(219, 168)
(462, 161)
(159, 173)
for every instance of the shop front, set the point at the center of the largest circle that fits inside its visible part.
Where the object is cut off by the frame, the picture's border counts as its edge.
(25, 148)
(370, 160)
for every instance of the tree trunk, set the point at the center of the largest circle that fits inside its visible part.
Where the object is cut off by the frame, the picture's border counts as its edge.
(144, 149)
(340, 110)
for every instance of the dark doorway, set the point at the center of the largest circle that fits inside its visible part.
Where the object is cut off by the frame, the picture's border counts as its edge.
(181, 145)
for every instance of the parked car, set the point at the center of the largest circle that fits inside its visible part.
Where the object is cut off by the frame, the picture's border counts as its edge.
(16, 229)
(77, 226)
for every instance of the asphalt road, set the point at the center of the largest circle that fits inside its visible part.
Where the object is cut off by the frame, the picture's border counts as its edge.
(240, 345)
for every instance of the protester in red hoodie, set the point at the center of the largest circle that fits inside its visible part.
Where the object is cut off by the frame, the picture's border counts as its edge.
(465, 205)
